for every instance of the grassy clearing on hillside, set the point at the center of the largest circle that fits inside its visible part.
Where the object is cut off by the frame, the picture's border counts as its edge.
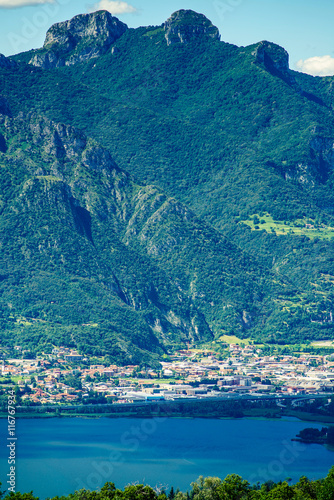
(300, 227)
(232, 339)
(322, 343)
(154, 32)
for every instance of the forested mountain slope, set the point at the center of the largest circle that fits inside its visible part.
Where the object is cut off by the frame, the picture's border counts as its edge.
(91, 259)
(218, 216)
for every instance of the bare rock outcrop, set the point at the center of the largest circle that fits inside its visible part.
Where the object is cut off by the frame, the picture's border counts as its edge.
(84, 37)
(185, 26)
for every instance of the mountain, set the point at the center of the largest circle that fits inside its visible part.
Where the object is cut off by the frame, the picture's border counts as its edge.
(93, 260)
(160, 186)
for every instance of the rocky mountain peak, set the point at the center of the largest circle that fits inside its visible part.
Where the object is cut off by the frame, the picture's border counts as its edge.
(272, 56)
(185, 26)
(275, 59)
(81, 38)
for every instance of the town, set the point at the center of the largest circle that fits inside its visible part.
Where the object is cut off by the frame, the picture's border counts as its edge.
(67, 377)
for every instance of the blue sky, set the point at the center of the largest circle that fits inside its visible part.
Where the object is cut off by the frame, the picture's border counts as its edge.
(303, 27)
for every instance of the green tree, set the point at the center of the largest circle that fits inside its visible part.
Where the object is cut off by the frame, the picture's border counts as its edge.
(234, 488)
(305, 489)
(171, 494)
(139, 492)
(108, 491)
(208, 488)
(326, 489)
(281, 492)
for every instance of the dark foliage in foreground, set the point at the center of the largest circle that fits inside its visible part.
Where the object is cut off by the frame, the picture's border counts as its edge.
(233, 487)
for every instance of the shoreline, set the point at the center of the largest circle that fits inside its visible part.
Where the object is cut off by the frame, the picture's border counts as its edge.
(302, 416)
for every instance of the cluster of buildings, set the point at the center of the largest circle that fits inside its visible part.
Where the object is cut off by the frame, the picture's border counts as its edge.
(67, 377)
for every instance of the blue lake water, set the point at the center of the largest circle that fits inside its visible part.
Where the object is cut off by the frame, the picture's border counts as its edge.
(58, 456)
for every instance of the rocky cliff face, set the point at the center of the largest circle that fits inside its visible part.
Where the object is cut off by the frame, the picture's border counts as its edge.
(84, 37)
(185, 26)
(322, 152)
(319, 166)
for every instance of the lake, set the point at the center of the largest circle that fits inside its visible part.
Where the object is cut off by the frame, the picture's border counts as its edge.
(58, 456)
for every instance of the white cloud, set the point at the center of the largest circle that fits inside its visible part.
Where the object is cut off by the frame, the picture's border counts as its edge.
(317, 66)
(114, 7)
(13, 4)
